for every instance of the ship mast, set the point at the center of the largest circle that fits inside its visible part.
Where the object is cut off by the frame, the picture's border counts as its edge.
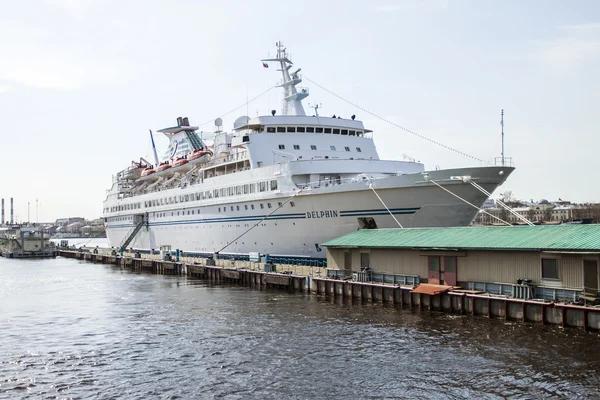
(502, 123)
(292, 104)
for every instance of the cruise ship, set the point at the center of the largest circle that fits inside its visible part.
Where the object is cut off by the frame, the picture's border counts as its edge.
(282, 184)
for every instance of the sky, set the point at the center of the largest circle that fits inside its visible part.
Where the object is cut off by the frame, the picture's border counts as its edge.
(82, 82)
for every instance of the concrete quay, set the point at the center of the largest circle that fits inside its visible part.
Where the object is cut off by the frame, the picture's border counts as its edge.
(313, 280)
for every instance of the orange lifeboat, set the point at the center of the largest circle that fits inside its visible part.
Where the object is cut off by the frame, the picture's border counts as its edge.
(163, 167)
(148, 170)
(198, 154)
(179, 162)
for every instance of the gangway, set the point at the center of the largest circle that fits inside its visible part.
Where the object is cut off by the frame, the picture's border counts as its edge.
(140, 220)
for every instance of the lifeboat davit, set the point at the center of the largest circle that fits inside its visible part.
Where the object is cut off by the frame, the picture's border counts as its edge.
(198, 154)
(163, 166)
(179, 162)
(147, 171)
(135, 170)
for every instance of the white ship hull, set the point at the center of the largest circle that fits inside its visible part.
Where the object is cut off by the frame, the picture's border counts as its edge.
(317, 215)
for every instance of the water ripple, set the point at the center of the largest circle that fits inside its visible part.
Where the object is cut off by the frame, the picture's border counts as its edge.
(76, 330)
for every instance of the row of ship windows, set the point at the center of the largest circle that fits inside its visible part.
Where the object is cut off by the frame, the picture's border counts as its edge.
(206, 195)
(314, 147)
(312, 129)
(246, 207)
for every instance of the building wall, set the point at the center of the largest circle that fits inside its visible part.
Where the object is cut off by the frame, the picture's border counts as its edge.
(479, 266)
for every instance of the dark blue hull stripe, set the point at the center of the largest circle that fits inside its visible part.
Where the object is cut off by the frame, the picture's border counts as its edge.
(251, 218)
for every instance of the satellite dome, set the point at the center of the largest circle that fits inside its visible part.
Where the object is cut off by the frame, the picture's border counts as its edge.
(543, 201)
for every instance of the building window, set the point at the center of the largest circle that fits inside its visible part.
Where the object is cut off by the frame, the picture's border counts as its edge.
(347, 148)
(296, 147)
(282, 147)
(358, 149)
(313, 147)
(549, 268)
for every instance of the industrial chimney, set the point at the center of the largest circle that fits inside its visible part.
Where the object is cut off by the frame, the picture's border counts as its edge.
(12, 211)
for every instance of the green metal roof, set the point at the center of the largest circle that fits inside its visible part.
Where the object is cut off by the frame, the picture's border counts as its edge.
(546, 237)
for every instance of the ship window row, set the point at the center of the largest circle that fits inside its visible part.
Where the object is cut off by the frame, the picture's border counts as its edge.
(313, 129)
(244, 207)
(314, 147)
(248, 188)
(124, 207)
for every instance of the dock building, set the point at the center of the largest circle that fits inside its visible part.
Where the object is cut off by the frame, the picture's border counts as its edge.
(552, 263)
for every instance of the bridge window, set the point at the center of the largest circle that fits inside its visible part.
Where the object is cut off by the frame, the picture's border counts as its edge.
(310, 129)
(270, 129)
(336, 131)
(296, 147)
(273, 185)
(300, 129)
(352, 133)
(319, 130)
(291, 129)
(358, 149)
(282, 147)
(262, 186)
(252, 188)
(313, 147)
(238, 190)
(328, 130)
(344, 131)
(332, 148)
(281, 129)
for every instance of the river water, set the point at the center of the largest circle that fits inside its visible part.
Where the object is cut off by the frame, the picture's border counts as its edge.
(70, 329)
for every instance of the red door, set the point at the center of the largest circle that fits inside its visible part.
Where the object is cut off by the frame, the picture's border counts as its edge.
(433, 272)
(450, 271)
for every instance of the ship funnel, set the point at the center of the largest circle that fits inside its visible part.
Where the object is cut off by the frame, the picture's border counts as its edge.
(179, 121)
(186, 121)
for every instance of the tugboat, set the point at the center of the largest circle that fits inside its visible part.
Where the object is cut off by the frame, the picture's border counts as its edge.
(25, 242)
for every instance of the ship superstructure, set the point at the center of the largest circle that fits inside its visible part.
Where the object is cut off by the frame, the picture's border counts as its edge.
(282, 185)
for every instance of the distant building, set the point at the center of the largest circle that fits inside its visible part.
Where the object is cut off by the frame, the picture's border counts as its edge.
(541, 212)
(67, 221)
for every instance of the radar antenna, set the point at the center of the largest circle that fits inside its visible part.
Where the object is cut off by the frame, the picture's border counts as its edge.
(316, 108)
